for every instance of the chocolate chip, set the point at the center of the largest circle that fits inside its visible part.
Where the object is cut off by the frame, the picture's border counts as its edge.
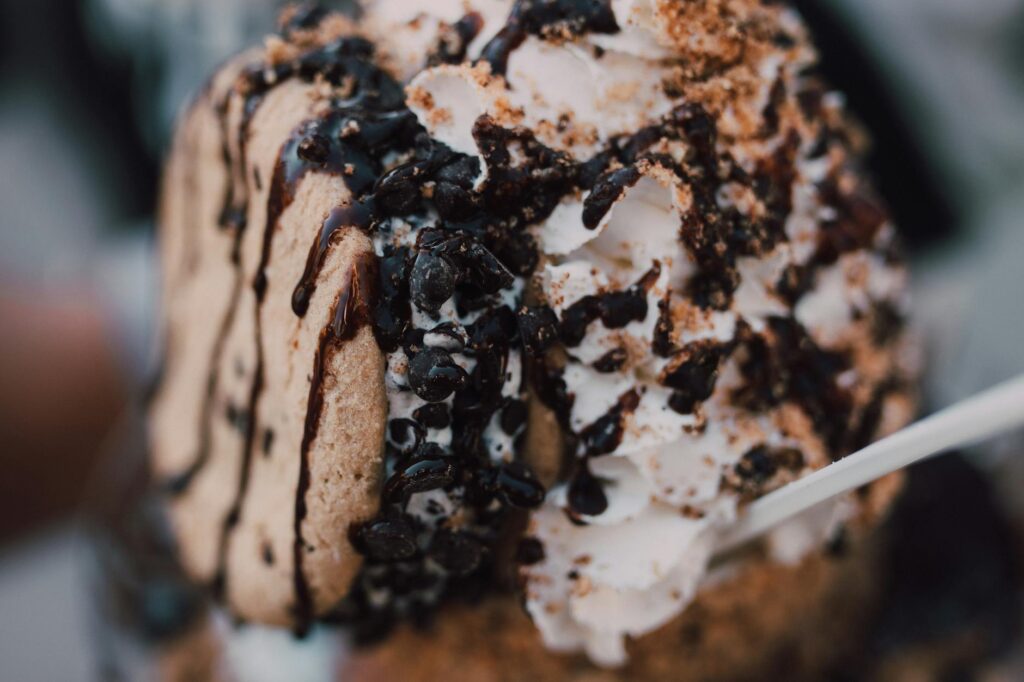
(462, 172)
(495, 328)
(605, 434)
(388, 539)
(756, 465)
(457, 551)
(694, 375)
(518, 487)
(406, 434)
(619, 308)
(586, 494)
(530, 551)
(538, 327)
(419, 475)
(612, 361)
(447, 336)
(453, 202)
(432, 282)
(398, 191)
(519, 253)
(607, 190)
(433, 416)
(485, 270)
(433, 375)
(304, 17)
(577, 317)
(759, 464)
(314, 148)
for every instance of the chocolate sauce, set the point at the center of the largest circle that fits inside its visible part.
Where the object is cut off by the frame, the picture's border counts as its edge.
(770, 114)
(547, 18)
(604, 435)
(357, 214)
(756, 469)
(785, 365)
(310, 148)
(608, 189)
(586, 493)
(350, 312)
(693, 373)
(452, 47)
(615, 309)
(230, 217)
(233, 514)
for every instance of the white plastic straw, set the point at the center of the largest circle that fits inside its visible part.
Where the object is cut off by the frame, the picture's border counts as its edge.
(969, 422)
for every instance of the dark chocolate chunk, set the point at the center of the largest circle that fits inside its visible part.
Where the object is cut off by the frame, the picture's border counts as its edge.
(516, 484)
(432, 282)
(457, 551)
(433, 416)
(612, 361)
(530, 551)
(388, 539)
(693, 374)
(419, 475)
(586, 493)
(405, 434)
(433, 375)
(538, 327)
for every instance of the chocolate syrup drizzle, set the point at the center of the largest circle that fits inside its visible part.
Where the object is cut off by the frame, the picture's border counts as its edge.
(471, 251)
(350, 312)
(547, 18)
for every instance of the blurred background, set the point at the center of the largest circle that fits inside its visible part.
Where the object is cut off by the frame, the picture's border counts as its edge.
(89, 90)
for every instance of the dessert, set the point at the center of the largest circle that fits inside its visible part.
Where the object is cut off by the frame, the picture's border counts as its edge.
(483, 296)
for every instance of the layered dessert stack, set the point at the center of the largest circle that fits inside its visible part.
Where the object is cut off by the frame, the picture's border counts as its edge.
(477, 303)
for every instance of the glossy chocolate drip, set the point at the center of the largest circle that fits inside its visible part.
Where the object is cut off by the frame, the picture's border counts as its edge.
(312, 147)
(232, 216)
(452, 47)
(758, 470)
(693, 374)
(349, 141)
(615, 309)
(608, 189)
(358, 214)
(586, 495)
(179, 484)
(351, 312)
(249, 437)
(343, 60)
(788, 365)
(547, 18)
